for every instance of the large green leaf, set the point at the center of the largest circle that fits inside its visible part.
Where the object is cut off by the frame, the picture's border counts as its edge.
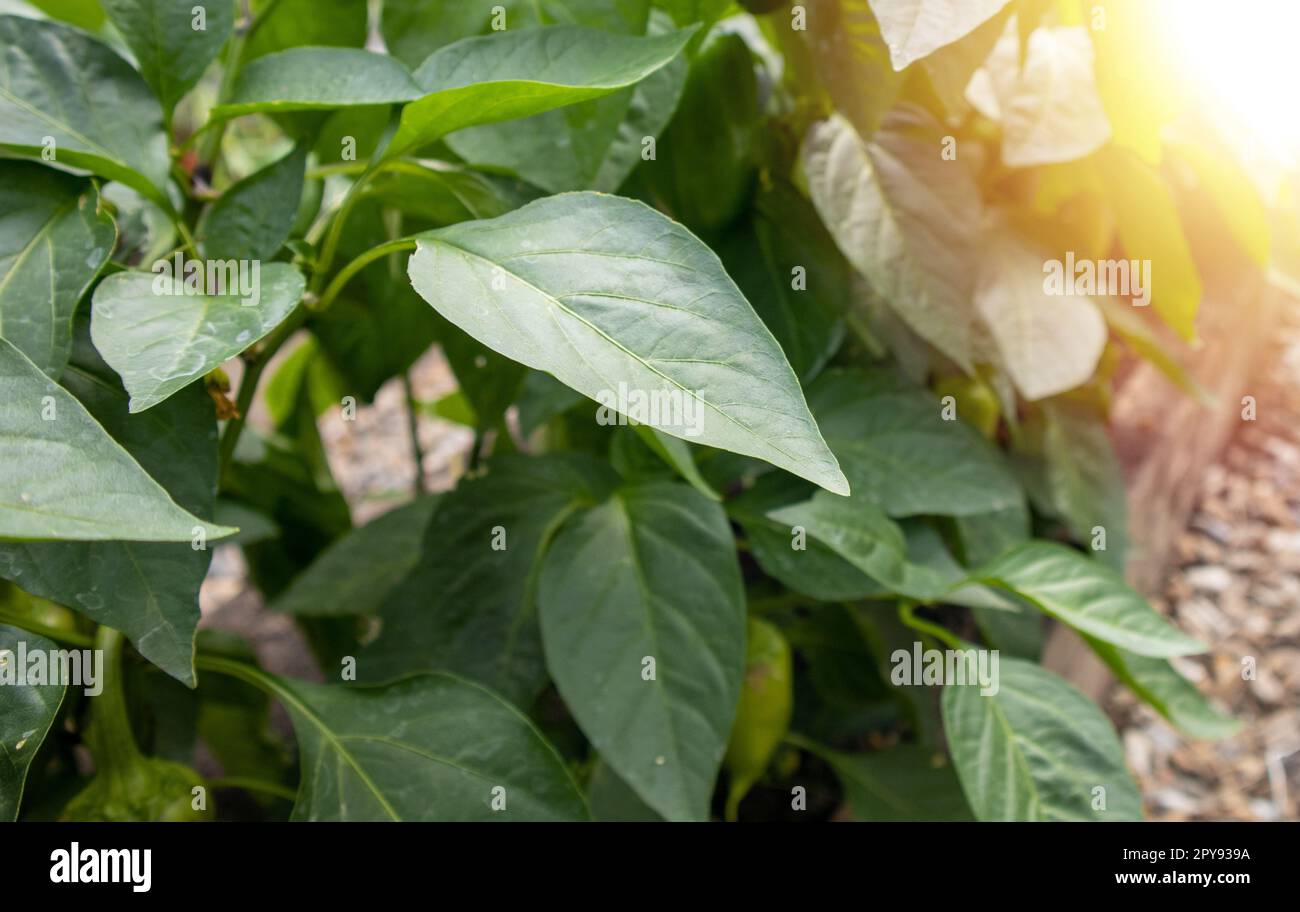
(469, 606)
(316, 79)
(1173, 696)
(905, 218)
(26, 714)
(53, 242)
(428, 747)
(903, 783)
(609, 296)
(66, 478)
(651, 573)
(147, 590)
(1036, 750)
(60, 84)
(791, 271)
(515, 74)
(281, 24)
(357, 573)
(916, 28)
(852, 61)
(1088, 596)
(172, 54)
(897, 449)
(252, 219)
(160, 342)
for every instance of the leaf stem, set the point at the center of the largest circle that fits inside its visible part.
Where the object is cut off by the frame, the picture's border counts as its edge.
(71, 637)
(907, 614)
(249, 784)
(413, 426)
(254, 364)
(347, 272)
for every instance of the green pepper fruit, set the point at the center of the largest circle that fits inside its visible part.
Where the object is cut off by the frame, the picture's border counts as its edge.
(763, 716)
(707, 156)
(977, 403)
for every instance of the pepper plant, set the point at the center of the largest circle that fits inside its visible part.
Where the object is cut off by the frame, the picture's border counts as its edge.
(770, 405)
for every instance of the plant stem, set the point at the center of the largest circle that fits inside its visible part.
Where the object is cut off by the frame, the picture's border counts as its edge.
(413, 426)
(112, 743)
(347, 272)
(71, 637)
(212, 142)
(254, 364)
(906, 614)
(254, 785)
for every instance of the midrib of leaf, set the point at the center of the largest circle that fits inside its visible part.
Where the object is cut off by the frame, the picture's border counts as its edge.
(600, 332)
(67, 128)
(1021, 764)
(27, 248)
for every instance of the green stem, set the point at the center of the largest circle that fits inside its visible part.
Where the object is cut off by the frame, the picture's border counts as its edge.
(111, 741)
(907, 615)
(335, 231)
(254, 364)
(212, 142)
(254, 785)
(413, 426)
(347, 272)
(71, 637)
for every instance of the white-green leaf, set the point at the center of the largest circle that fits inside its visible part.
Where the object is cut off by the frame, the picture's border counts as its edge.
(1088, 596)
(66, 478)
(905, 218)
(897, 449)
(649, 577)
(431, 747)
(1048, 343)
(915, 28)
(1036, 750)
(53, 242)
(26, 714)
(170, 51)
(519, 73)
(159, 337)
(608, 295)
(62, 91)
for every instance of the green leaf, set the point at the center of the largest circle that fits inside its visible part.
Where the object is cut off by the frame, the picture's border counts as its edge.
(429, 747)
(676, 454)
(469, 606)
(789, 268)
(444, 193)
(252, 219)
(706, 161)
(905, 218)
(26, 714)
(592, 145)
(316, 79)
(1036, 750)
(898, 450)
(1049, 343)
(357, 573)
(1084, 480)
(147, 590)
(160, 337)
(613, 801)
(903, 783)
(852, 61)
(171, 52)
(606, 295)
(515, 74)
(53, 242)
(61, 84)
(856, 530)
(650, 573)
(1088, 596)
(915, 28)
(281, 24)
(68, 478)
(1157, 682)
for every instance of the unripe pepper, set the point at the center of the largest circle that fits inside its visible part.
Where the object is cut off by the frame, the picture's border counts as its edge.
(763, 715)
(977, 404)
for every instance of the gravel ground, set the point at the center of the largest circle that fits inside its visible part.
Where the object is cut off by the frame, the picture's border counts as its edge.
(1237, 587)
